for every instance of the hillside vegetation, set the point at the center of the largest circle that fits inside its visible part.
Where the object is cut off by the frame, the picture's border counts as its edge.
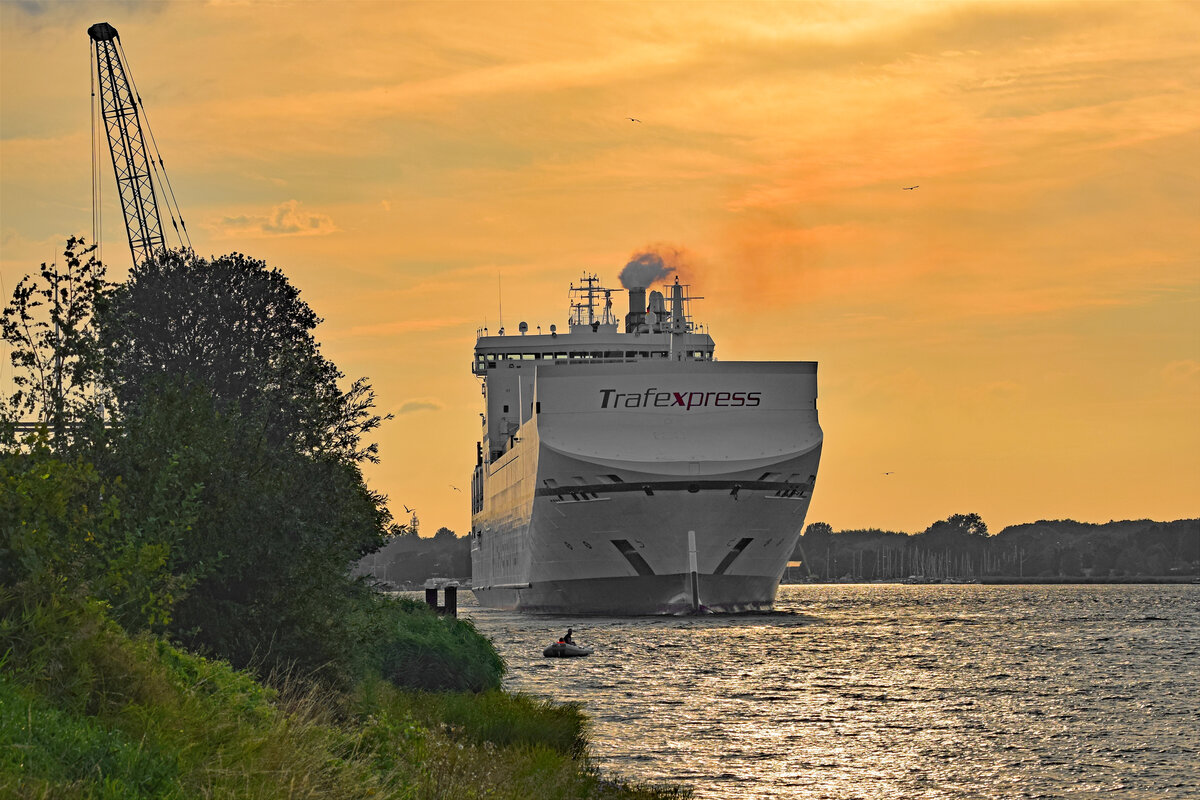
(177, 613)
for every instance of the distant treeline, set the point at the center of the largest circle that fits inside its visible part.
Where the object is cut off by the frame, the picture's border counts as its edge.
(408, 560)
(957, 548)
(960, 548)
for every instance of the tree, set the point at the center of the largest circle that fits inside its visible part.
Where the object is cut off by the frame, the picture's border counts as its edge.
(47, 323)
(62, 533)
(959, 531)
(238, 331)
(819, 529)
(219, 382)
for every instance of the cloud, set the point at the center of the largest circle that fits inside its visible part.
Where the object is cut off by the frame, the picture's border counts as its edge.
(1183, 375)
(419, 404)
(286, 219)
(407, 326)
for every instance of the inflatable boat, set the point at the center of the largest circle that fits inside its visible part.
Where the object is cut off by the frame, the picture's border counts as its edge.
(565, 650)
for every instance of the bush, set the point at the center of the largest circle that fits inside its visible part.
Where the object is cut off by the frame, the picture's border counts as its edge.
(413, 647)
(62, 531)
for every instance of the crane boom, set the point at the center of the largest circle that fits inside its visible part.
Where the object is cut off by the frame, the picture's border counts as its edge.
(128, 146)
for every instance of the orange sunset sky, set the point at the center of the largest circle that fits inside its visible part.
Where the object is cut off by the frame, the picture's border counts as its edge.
(1019, 337)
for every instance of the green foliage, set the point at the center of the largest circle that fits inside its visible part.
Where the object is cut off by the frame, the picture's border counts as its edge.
(222, 390)
(135, 717)
(484, 745)
(270, 540)
(224, 504)
(62, 530)
(503, 719)
(48, 752)
(415, 648)
(47, 326)
(236, 330)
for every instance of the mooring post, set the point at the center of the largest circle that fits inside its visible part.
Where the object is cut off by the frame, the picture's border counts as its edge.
(431, 596)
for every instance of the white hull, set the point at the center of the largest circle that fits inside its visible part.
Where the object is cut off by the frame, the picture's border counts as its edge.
(646, 488)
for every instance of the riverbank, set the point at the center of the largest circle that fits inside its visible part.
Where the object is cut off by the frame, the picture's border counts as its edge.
(1003, 580)
(1125, 580)
(88, 711)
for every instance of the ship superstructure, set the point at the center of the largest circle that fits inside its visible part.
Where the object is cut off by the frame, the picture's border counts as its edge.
(622, 469)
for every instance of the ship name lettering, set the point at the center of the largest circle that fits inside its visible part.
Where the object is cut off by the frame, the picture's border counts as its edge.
(686, 400)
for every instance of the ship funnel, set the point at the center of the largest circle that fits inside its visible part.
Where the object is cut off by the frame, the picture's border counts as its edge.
(658, 311)
(635, 320)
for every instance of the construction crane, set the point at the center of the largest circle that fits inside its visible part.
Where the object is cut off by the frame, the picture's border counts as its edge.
(132, 161)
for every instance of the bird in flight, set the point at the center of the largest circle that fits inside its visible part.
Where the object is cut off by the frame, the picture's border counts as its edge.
(910, 188)
(887, 473)
(409, 510)
(633, 119)
(455, 488)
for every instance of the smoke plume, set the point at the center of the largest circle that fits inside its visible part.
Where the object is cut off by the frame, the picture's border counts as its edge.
(646, 268)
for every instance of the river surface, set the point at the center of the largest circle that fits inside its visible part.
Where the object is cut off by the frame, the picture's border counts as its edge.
(888, 691)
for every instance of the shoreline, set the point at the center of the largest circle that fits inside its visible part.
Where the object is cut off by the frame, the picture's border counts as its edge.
(1013, 580)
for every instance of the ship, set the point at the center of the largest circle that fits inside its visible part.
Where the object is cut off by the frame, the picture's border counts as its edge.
(622, 469)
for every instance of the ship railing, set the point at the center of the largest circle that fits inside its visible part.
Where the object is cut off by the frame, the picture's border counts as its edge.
(481, 367)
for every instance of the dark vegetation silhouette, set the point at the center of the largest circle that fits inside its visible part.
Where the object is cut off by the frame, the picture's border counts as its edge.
(181, 504)
(190, 408)
(959, 548)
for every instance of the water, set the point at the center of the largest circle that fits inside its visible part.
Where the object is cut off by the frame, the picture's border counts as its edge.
(877, 691)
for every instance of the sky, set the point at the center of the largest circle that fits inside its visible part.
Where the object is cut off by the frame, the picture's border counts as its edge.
(1018, 337)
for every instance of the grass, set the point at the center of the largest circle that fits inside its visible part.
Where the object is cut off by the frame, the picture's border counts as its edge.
(87, 711)
(416, 648)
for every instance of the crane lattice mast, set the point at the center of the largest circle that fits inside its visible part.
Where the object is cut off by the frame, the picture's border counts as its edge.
(132, 165)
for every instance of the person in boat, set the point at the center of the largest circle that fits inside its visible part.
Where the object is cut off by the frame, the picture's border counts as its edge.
(566, 639)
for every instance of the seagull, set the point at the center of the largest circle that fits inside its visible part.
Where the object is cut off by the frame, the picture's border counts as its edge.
(409, 510)
(887, 473)
(455, 488)
(633, 119)
(910, 188)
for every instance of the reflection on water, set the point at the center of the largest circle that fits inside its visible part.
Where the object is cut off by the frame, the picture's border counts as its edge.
(889, 691)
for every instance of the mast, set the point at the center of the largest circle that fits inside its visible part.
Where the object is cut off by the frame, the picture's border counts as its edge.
(584, 301)
(126, 143)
